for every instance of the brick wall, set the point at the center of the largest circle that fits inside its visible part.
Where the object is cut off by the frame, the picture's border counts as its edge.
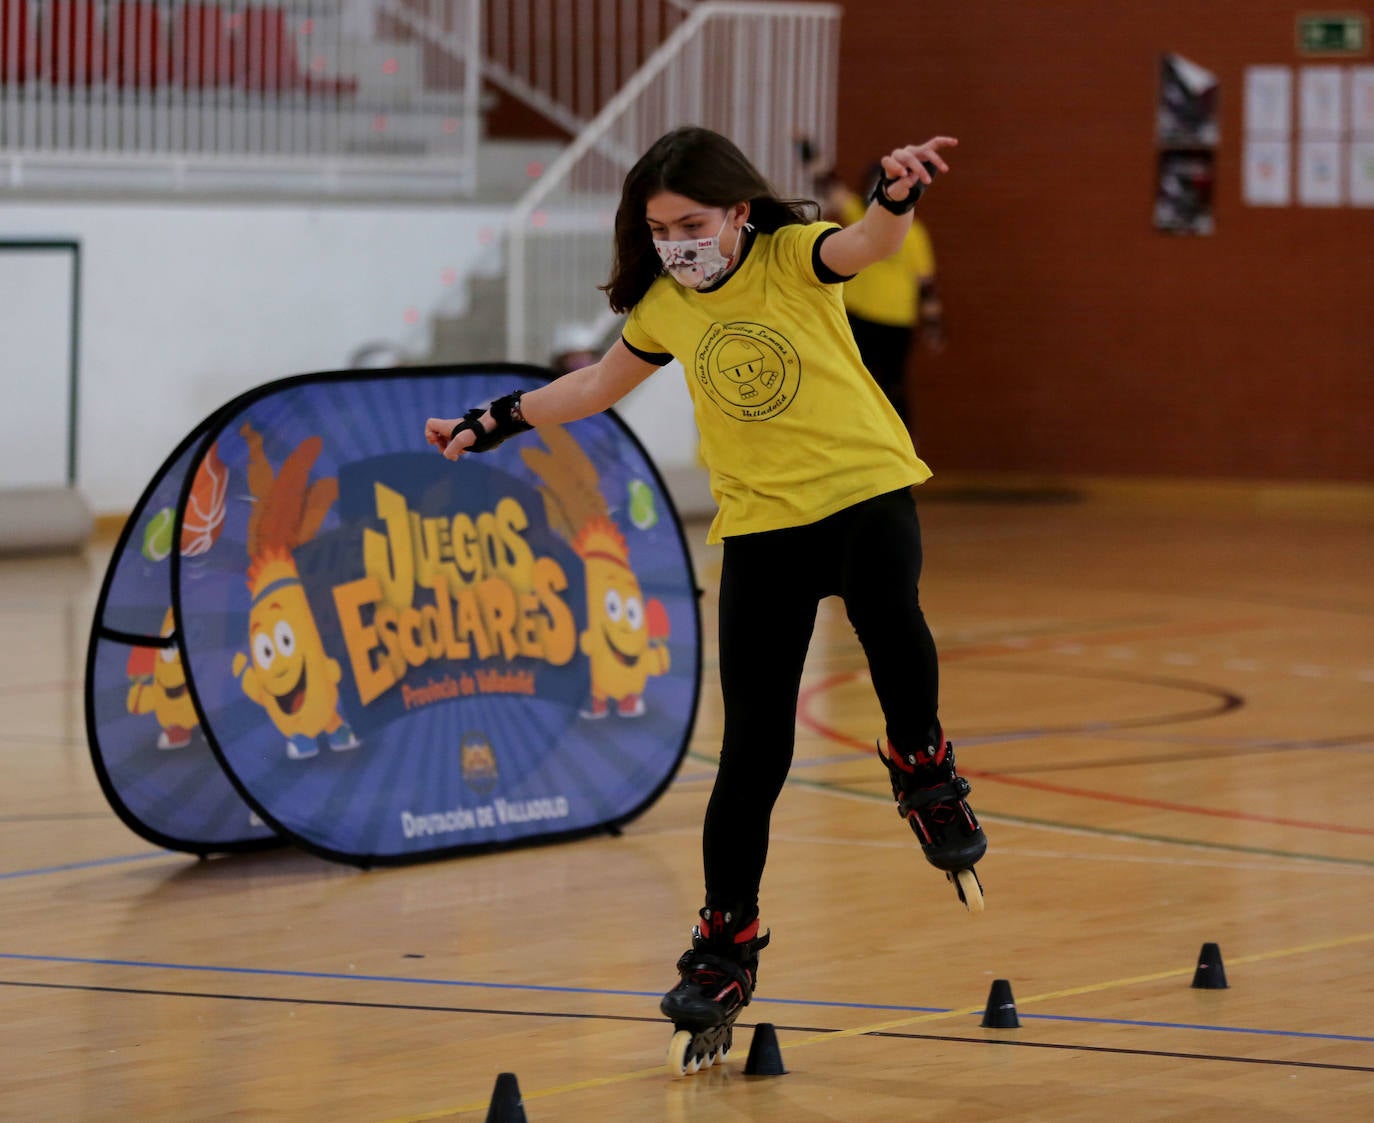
(1081, 339)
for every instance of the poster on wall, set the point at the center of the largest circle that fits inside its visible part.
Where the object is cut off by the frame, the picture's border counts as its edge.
(1266, 161)
(1267, 173)
(1186, 134)
(1319, 173)
(1268, 102)
(388, 656)
(1186, 106)
(1361, 163)
(1362, 102)
(1362, 173)
(1183, 198)
(1321, 101)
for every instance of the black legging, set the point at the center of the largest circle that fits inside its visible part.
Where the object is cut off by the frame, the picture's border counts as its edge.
(770, 586)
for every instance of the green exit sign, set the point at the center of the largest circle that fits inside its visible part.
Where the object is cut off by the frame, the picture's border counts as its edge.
(1338, 34)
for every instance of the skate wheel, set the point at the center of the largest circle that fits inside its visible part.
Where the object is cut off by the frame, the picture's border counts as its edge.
(677, 1053)
(970, 891)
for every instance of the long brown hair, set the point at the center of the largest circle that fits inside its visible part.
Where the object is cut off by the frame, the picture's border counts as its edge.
(700, 165)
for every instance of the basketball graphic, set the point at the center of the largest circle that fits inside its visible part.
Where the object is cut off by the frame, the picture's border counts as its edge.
(204, 517)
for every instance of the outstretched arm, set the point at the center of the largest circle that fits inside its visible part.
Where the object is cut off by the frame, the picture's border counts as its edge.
(578, 394)
(879, 233)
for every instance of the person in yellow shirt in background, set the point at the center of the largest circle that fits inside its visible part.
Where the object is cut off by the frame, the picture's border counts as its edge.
(890, 302)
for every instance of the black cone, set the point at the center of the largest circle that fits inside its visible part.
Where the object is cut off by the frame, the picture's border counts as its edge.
(1210, 973)
(765, 1058)
(1001, 1008)
(506, 1104)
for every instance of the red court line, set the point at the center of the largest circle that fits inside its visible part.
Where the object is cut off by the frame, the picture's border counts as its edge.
(817, 689)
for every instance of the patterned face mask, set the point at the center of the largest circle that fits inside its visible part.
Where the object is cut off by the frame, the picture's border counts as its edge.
(695, 262)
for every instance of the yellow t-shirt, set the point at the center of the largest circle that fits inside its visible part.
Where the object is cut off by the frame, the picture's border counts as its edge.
(886, 292)
(793, 428)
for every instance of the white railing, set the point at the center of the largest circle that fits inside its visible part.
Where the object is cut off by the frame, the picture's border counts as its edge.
(564, 58)
(568, 58)
(761, 73)
(269, 95)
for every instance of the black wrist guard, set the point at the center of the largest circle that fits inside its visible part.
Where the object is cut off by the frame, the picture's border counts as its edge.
(509, 421)
(907, 205)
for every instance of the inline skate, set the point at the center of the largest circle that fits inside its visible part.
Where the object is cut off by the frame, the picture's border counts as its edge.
(931, 797)
(718, 974)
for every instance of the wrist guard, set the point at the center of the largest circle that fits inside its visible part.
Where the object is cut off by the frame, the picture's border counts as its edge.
(509, 421)
(907, 205)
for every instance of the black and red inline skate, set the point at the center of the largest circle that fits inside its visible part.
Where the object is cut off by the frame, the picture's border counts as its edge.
(931, 797)
(718, 974)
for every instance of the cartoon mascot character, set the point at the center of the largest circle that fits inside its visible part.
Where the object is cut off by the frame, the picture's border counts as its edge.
(287, 671)
(625, 641)
(158, 687)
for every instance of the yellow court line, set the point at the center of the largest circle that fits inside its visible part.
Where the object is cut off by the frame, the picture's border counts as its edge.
(581, 1085)
(879, 1027)
(1110, 984)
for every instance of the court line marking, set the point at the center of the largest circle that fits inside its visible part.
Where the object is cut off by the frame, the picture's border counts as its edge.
(1090, 988)
(1089, 831)
(93, 863)
(1199, 749)
(580, 1015)
(346, 976)
(880, 1028)
(1044, 642)
(1300, 863)
(1167, 805)
(810, 693)
(1123, 1051)
(1296, 867)
(346, 1003)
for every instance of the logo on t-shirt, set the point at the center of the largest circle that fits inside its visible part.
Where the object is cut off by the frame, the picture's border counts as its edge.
(749, 371)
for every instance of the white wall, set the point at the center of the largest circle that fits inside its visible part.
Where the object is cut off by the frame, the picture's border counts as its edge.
(37, 289)
(184, 306)
(659, 410)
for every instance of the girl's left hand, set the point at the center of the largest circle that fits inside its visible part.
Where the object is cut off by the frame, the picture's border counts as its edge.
(902, 166)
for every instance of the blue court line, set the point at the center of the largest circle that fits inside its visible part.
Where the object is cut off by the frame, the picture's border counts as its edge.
(279, 973)
(338, 975)
(86, 865)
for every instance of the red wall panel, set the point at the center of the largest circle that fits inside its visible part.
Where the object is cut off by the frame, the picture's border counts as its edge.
(1082, 340)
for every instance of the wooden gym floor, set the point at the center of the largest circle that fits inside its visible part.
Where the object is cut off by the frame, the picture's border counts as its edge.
(1165, 703)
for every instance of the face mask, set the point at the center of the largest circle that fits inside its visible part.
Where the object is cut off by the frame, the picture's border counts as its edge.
(695, 262)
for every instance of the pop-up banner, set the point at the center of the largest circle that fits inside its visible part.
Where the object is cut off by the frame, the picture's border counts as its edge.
(316, 628)
(151, 753)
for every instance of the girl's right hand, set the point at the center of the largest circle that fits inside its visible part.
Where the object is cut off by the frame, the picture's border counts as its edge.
(437, 430)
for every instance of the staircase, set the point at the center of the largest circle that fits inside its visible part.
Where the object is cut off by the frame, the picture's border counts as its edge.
(763, 73)
(478, 334)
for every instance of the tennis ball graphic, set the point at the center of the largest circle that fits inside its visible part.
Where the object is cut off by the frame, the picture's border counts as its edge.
(643, 513)
(157, 535)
